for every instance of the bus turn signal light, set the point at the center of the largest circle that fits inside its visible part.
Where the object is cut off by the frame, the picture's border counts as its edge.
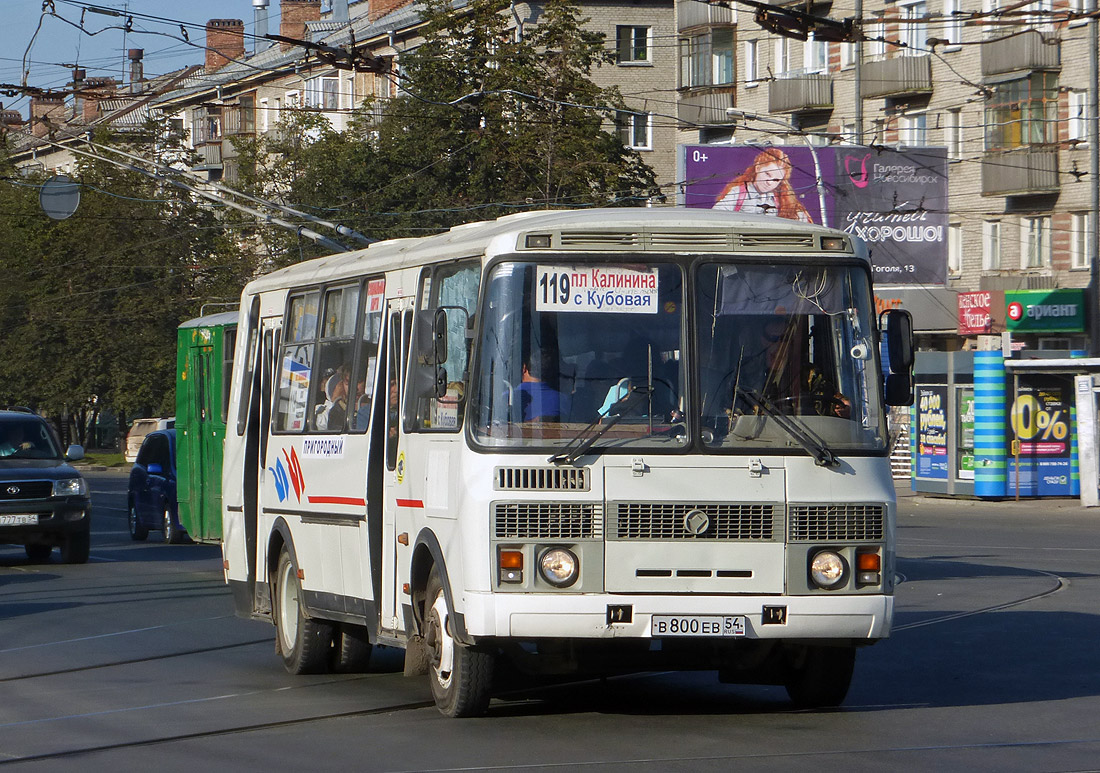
(869, 562)
(511, 566)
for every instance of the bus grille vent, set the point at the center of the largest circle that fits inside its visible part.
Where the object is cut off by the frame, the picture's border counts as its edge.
(670, 521)
(547, 520)
(816, 523)
(685, 240)
(602, 239)
(542, 479)
(764, 241)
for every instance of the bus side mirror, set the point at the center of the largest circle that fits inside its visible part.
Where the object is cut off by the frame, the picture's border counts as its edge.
(899, 339)
(431, 336)
(898, 325)
(430, 381)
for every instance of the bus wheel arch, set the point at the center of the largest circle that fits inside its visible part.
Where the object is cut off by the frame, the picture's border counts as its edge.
(427, 554)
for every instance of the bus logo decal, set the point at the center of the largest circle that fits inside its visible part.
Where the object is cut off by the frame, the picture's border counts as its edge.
(284, 481)
(696, 522)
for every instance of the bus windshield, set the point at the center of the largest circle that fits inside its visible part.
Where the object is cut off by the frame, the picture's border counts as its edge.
(591, 357)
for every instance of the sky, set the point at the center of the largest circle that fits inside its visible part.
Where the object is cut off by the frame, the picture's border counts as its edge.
(57, 45)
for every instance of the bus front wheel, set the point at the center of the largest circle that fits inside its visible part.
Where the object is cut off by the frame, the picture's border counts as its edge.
(304, 643)
(461, 676)
(818, 676)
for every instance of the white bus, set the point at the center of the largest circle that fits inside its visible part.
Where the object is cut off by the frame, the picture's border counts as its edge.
(588, 442)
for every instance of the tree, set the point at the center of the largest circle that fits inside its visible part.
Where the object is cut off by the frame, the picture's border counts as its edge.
(486, 123)
(90, 305)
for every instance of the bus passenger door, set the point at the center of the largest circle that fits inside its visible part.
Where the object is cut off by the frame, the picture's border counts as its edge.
(396, 539)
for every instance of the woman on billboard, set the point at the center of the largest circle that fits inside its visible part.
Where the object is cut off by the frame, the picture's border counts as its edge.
(764, 188)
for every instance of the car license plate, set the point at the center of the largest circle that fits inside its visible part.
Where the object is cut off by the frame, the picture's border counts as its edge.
(698, 625)
(19, 519)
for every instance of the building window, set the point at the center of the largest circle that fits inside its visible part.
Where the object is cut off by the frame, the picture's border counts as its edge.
(707, 59)
(954, 248)
(1079, 240)
(952, 132)
(1023, 111)
(633, 44)
(1077, 127)
(782, 52)
(913, 130)
(752, 63)
(815, 55)
(263, 116)
(848, 134)
(330, 94)
(847, 55)
(952, 23)
(248, 114)
(914, 30)
(1040, 15)
(876, 37)
(634, 130)
(991, 245)
(1035, 242)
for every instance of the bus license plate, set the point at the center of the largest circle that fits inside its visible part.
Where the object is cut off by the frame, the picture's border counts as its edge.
(19, 520)
(698, 625)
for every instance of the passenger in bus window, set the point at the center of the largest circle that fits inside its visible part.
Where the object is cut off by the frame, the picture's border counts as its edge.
(536, 399)
(331, 415)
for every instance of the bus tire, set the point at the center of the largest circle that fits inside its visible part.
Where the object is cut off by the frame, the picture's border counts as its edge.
(819, 677)
(303, 642)
(461, 676)
(351, 649)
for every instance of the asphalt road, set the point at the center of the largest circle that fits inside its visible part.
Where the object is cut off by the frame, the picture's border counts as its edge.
(136, 662)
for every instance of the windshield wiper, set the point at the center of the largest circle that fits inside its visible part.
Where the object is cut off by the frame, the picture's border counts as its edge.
(802, 434)
(586, 438)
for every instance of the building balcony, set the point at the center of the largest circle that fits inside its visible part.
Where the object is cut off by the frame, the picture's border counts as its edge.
(692, 13)
(1021, 172)
(896, 77)
(1020, 53)
(704, 107)
(210, 156)
(800, 93)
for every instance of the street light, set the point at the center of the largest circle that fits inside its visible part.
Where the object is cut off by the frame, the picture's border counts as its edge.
(735, 112)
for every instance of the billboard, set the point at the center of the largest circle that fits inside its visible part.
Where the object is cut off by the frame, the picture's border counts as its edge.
(1045, 311)
(895, 200)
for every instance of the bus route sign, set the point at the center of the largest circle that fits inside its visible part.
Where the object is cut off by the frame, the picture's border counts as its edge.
(600, 289)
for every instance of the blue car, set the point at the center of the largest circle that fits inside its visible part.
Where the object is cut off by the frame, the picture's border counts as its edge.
(152, 496)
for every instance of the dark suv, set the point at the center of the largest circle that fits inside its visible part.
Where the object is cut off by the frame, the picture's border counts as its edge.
(43, 501)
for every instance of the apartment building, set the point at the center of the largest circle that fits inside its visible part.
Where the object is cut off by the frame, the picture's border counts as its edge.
(1002, 93)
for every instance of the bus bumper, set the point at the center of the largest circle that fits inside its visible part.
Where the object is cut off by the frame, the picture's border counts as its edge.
(525, 616)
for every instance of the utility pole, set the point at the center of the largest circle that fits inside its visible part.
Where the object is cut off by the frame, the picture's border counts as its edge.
(1094, 187)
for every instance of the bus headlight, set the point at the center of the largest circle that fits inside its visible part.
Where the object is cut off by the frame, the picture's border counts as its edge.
(559, 567)
(828, 569)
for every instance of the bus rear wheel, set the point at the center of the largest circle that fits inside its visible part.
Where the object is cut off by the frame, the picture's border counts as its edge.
(461, 676)
(351, 649)
(819, 677)
(304, 643)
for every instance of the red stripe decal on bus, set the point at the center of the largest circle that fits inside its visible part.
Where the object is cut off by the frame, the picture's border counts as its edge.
(410, 503)
(337, 501)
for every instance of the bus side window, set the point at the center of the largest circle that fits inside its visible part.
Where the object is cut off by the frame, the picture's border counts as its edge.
(229, 343)
(249, 365)
(454, 288)
(361, 395)
(332, 388)
(296, 362)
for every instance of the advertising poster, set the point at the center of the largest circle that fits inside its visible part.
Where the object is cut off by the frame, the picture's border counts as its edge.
(981, 311)
(964, 451)
(1045, 311)
(1040, 421)
(895, 200)
(932, 432)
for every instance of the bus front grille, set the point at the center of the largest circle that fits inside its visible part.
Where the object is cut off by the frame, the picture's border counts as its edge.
(829, 523)
(547, 520)
(687, 521)
(542, 479)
